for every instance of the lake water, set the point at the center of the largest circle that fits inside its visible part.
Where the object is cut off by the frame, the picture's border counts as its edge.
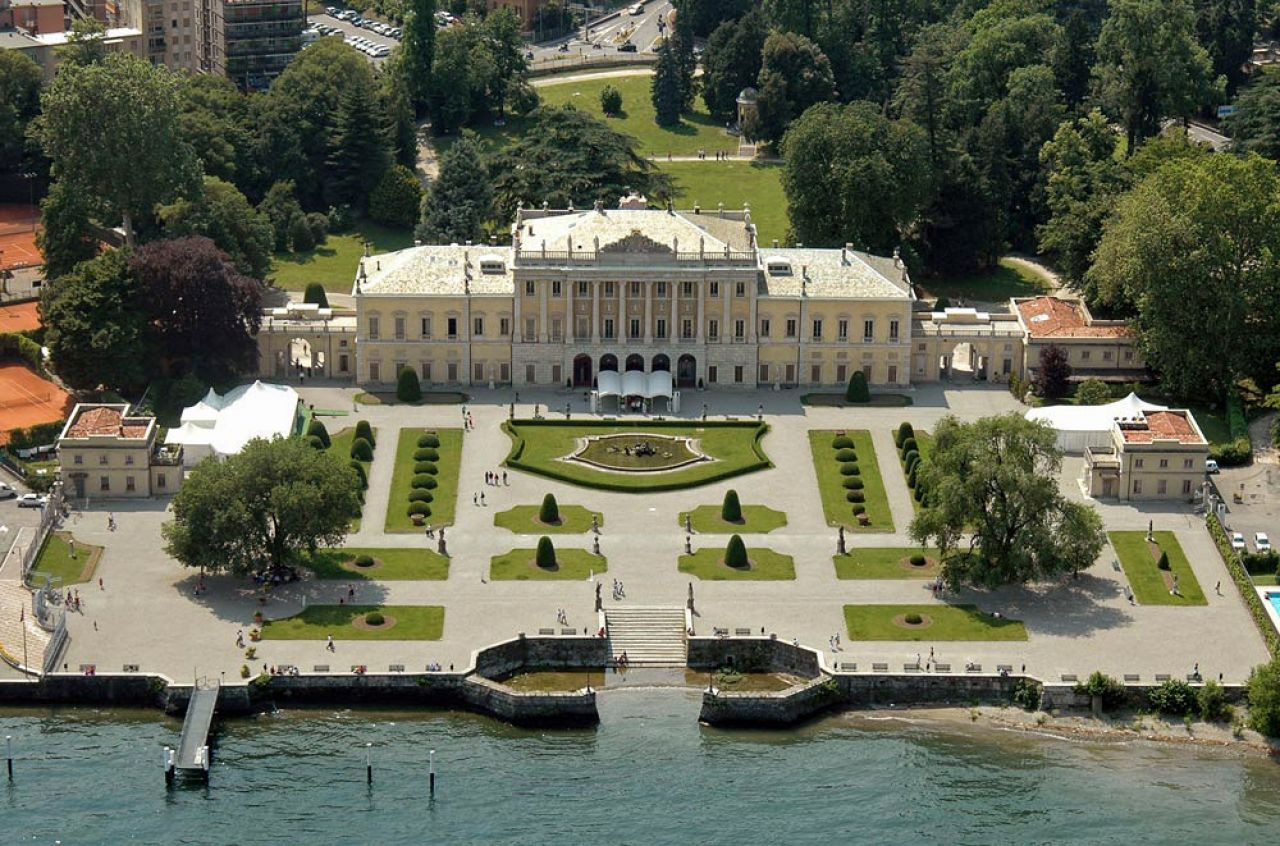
(649, 774)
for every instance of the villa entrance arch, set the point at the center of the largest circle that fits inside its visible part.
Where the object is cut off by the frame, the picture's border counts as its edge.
(582, 371)
(660, 363)
(608, 361)
(301, 357)
(635, 361)
(686, 371)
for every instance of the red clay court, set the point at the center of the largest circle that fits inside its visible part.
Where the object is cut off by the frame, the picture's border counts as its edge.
(26, 399)
(18, 224)
(20, 317)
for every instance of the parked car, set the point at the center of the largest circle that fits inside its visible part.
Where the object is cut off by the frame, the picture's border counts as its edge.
(637, 9)
(1261, 542)
(32, 501)
(626, 47)
(1210, 466)
(7, 492)
(1237, 541)
(331, 11)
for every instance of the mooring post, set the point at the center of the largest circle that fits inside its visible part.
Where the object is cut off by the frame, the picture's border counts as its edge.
(368, 763)
(170, 766)
(8, 753)
(431, 772)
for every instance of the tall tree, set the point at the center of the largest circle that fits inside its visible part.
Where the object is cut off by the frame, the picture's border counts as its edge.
(731, 63)
(214, 120)
(681, 42)
(1073, 57)
(65, 237)
(568, 157)
(202, 314)
(457, 75)
(88, 113)
(794, 74)
(500, 36)
(1226, 29)
(20, 80)
(1053, 373)
(398, 110)
(1150, 66)
(704, 16)
(854, 175)
(1255, 125)
(222, 213)
(664, 88)
(357, 151)
(86, 43)
(1196, 247)
(280, 207)
(418, 53)
(261, 510)
(459, 202)
(993, 506)
(95, 325)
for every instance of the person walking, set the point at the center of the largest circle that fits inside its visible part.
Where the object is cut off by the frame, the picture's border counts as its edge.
(329, 644)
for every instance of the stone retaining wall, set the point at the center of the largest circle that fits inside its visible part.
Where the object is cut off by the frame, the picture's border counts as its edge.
(753, 655)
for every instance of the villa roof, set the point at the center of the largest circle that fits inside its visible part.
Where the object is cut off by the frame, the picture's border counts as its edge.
(441, 270)
(89, 421)
(835, 274)
(1173, 425)
(1053, 317)
(580, 230)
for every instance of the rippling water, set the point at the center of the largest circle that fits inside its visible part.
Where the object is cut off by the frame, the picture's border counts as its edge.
(648, 775)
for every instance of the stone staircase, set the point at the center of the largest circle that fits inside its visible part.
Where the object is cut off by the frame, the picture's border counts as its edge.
(651, 636)
(15, 602)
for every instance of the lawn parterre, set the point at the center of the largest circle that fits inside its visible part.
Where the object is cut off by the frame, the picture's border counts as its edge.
(887, 563)
(56, 562)
(755, 184)
(523, 520)
(840, 489)
(1150, 584)
(923, 448)
(765, 565)
(388, 564)
(444, 494)
(333, 264)
(757, 519)
(538, 446)
(340, 449)
(346, 622)
(571, 565)
(937, 622)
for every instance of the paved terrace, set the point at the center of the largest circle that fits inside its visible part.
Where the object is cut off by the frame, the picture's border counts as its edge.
(146, 613)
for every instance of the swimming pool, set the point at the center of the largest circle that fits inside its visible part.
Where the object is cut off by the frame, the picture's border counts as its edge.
(1271, 601)
(1274, 600)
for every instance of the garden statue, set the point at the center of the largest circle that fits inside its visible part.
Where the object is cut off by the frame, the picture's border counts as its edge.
(443, 550)
(840, 542)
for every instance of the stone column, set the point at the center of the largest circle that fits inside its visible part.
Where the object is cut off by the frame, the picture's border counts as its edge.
(623, 326)
(648, 312)
(672, 313)
(753, 321)
(519, 326)
(544, 330)
(701, 289)
(569, 315)
(725, 329)
(595, 312)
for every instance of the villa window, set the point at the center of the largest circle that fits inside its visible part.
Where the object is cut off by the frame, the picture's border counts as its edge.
(399, 326)
(79, 459)
(687, 289)
(452, 326)
(426, 328)
(555, 288)
(104, 483)
(609, 289)
(426, 371)
(1186, 487)
(791, 327)
(128, 459)
(1138, 462)
(160, 481)
(634, 329)
(661, 289)
(714, 291)
(713, 330)
(868, 331)
(739, 329)
(477, 326)
(584, 288)
(737, 374)
(477, 372)
(662, 328)
(635, 290)
(893, 330)
(817, 330)
(1085, 355)
(102, 459)
(1107, 355)
(530, 330)
(686, 329)
(129, 484)
(375, 371)
(713, 374)
(556, 330)
(608, 328)
(764, 373)
(1137, 486)
(1128, 355)
(1187, 463)
(842, 330)
(740, 290)
(528, 288)
(764, 327)
(452, 370)
(815, 373)
(374, 329)
(1161, 487)
(504, 326)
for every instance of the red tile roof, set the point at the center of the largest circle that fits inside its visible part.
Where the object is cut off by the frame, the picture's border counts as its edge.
(105, 420)
(1162, 425)
(1051, 317)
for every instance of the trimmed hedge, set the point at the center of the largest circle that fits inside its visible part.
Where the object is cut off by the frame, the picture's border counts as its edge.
(905, 430)
(360, 474)
(856, 496)
(846, 455)
(314, 442)
(859, 509)
(361, 450)
(426, 454)
(909, 446)
(842, 442)
(427, 467)
(418, 508)
(850, 469)
(735, 554)
(549, 511)
(316, 429)
(853, 483)
(20, 346)
(429, 441)
(731, 508)
(545, 556)
(1244, 584)
(424, 481)
(420, 495)
(364, 430)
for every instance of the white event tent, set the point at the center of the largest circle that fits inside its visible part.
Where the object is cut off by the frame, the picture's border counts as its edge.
(635, 384)
(222, 425)
(1082, 426)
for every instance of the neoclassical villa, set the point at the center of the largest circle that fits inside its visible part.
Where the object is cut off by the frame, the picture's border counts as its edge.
(691, 293)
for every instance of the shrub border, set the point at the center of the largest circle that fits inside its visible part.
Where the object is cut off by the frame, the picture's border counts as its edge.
(517, 449)
(1244, 584)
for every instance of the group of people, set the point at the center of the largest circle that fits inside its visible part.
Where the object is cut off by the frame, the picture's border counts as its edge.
(491, 477)
(619, 592)
(282, 670)
(562, 617)
(468, 422)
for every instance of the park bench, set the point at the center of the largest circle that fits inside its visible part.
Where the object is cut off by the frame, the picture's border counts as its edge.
(1132, 678)
(942, 668)
(395, 668)
(546, 631)
(847, 667)
(910, 668)
(568, 631)
(1069, 677)
(1162, 677)
(879, 668)
(1194, 677)
(130, 668)
(320, 668)
(1004, 668)
(741, 632)
(720, 632)
(973, 668)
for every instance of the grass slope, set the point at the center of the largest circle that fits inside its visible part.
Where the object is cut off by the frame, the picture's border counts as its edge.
(757, 184)
(316, 622)
(838, 510)
(1007, 279)
(333, 264)
(445, 499)
(523, 520)
(1145, 577)
(949, 622)
(766, 565)
(572, 565)
(396, 564)
(757, 519)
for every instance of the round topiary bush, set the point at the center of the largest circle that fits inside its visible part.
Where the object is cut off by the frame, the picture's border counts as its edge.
(364, 430)
(427, 467)
(859, 509)
(314, 442)
(425, 481)
(842, 442)
(913, 619)
(855, 496)
(918, 560)
(363, 561)
(420, 495)
(850, 468)
(910, 458)
(420, 508)
(910, 444)
(735, 554)
(911, 478)
(546, 554)
(316, 429)
(853, 483)
(846, 455)
(374, 618)
(360, 474)
(428, 441)
(905, 431)
(549, 511)
(426, 454)
(731, 508)
(361, 450)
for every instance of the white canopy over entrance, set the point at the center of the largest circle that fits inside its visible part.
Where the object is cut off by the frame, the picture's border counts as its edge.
(1081, 426)
(633, 386)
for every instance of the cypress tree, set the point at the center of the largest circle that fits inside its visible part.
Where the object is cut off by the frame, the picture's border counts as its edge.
(419, 51)
(549, 513)
(666, 90)
(546, 555)
(735, 554)
(731, 509)
(857, 390)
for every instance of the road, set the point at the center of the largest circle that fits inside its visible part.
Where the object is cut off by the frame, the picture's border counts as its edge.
(349, 29)
(642, 30)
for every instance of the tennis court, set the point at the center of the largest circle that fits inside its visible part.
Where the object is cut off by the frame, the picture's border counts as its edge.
(20, 317)
(18, 223)
(26, 399)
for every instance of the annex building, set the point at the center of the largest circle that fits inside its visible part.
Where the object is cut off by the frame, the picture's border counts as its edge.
(690, 293)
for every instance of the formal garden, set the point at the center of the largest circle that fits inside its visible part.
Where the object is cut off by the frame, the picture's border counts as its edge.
(359, 622)
(731, 516)
(344, 449)
(849, 480)
(736, 562)
(550, 517)
(424, 482)
(1157, 569)
(65, 560)
(888, 563)
(929, 622)
(546, 563)
(914, 448)
(400, 564)
(640, 456)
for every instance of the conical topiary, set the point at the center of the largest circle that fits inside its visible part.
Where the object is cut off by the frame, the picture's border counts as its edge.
(364, 430)
(316, 429)
(546, 555)
(1163, 563)
(408, 388)
(731, 509)
(735, 554)
(549, 513)
(857, 390)
(361, 450)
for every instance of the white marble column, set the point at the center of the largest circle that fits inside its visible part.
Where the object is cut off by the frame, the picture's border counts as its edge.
(624, 328)
(726, 329)
(671, 311)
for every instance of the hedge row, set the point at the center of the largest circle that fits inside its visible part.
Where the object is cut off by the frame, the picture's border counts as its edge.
(909, 457)
(1244, 583)
(13, 344)
(1240, 449)
(847, 457)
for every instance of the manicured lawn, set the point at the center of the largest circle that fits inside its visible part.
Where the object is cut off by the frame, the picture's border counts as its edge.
(1146, 579)
(1006, 280)
(444, 496)
(757, 519)
(766, 565)
(317, 622)
(758, 184)
(944, 622)
(334, 263)
(539, 448)
(571, 565)
(838, 510)
(55, 560)
(523, 520)
(883, 562)
(340, 449)
(389, 564)
(837, 400)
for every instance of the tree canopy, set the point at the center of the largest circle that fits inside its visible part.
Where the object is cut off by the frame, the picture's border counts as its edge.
(995, 480)
(459, 203)
(222, 214)
(263, 509)
(1255, 125)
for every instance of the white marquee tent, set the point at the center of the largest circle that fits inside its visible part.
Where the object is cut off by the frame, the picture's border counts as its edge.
(635, 384)
(1081, 426)
(222, 425)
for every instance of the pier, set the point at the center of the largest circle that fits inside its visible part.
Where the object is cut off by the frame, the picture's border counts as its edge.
(192, 758)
